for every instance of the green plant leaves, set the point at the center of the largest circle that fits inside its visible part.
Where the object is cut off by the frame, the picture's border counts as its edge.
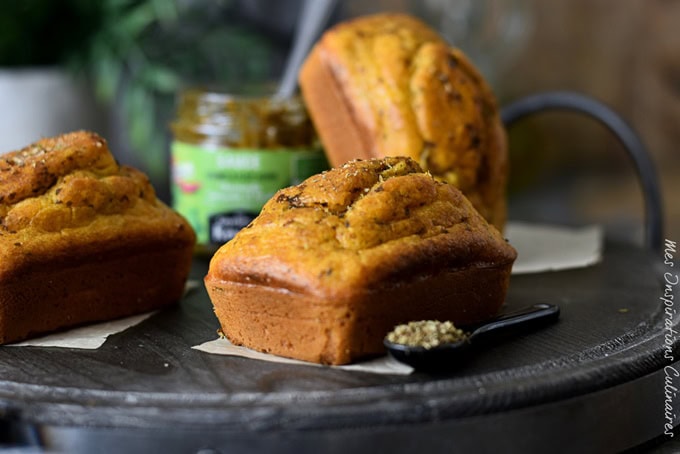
(139, 54)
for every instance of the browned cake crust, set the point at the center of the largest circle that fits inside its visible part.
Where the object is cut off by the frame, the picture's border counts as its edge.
(83, 239)
(387, 85)
(331, 265)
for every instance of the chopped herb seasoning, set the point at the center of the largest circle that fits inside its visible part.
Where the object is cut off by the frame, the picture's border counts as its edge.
(426, 333)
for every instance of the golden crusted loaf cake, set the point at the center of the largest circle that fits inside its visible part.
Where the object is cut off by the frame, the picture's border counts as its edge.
(386, 85)
(83, 239)
(331, 265)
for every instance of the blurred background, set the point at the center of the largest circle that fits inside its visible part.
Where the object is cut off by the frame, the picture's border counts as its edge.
(116, 66)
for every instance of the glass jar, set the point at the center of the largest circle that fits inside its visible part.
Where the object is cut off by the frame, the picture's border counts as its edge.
(230, 154)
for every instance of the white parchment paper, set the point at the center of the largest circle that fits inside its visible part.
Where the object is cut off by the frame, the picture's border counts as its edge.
(87, 337)
(383, 365)
(542, 248)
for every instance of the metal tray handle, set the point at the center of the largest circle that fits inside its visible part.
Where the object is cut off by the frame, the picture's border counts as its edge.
(646, 172)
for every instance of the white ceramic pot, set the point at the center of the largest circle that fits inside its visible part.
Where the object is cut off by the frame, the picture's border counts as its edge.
(43, 102)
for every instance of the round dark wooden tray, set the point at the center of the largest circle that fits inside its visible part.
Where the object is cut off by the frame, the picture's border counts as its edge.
(592, 381)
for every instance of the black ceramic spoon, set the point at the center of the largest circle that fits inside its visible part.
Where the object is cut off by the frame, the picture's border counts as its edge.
(448, 356)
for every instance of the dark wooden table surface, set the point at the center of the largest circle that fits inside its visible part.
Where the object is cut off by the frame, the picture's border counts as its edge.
(593, 382)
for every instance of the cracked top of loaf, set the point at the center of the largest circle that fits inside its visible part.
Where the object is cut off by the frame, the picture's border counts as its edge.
(412, 94)
(360, 226)
(67, 195)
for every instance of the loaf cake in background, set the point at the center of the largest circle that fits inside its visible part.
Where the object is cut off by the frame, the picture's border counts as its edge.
(386, 85)
(331, 265)
(83, 239)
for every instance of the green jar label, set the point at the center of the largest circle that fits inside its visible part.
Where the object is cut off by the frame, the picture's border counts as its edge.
(220, 190)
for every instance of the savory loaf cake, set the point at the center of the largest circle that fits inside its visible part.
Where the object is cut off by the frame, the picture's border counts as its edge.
(386, 85)
(83, 239)
(331, 265)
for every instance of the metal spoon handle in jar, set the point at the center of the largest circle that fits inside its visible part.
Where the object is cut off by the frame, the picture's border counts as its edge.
(537, 314)
(313, 18)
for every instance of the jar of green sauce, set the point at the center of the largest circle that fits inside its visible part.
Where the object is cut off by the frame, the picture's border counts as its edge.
(231, 153)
